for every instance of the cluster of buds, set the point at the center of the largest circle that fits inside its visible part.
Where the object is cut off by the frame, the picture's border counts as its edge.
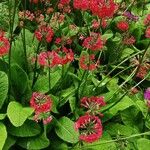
(89, 125)
(42, 105)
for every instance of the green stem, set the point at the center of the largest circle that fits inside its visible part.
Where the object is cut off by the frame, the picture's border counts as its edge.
(116, 68)
(11, 23)
(116, 140)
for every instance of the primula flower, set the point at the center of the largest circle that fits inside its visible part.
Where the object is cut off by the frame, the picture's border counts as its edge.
(143, 70)
(147, 20)
(123, 25)
(4, 44)
(87, 62)
(130, 16)
(102, 8)
(67, 55)
(129, 40)
(44, 32)
(93, 42)
(81, 4)
(92, 104)
(89, 127)
(49, 59)
(147, 32)
(42, 104)
(147, 96)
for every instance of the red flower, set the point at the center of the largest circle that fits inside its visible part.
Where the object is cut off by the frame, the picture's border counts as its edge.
(87, 62)
(103, 8)
(122, 25)
(4, 44)
(49, 59)
(93, 42)
(68, 56)
(90, 128)
(92, 103)
(44, 32)
(147, 20)
(147, 33)
(41, 102)
(129, 40)
(81, 4)
(34, 1)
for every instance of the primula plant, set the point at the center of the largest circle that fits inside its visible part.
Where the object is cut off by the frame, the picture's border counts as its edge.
(75, 74)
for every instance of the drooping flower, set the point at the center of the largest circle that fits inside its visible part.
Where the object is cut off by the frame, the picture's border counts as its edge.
(49, 59)
(123, 25)
(147, 96)
(87, 62)
(4, 44)
(42, 105)
(44, 32)
(89, 127)
(93, 42)
(147, 32)
(92, 104)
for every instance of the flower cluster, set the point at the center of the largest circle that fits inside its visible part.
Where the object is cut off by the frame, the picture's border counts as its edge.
(129, 40)
(122, 25)
(147, 32)
(42, 104)
(86, 62)
(55, 58)
(26, 15)
(44, 32)
(102, 9)
(4, 44)
(89, 125)
(147, 20)
(64, 6)
(93, 42)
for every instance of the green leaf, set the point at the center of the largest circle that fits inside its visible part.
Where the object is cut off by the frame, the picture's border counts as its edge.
(3, 135)
(42, 84)
(3, 87)
(126, 52)
(119, 129)
(99, 145)
(19, 80)
(125, 103)
(143, 144)
(37, 143)
(66, 131)
(2, 116)
(17, 114)
(28, 129)
(10, 141)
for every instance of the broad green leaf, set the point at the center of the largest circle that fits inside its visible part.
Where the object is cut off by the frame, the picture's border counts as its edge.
(28, 129)
(19, 80)
(143, 144)
(66, 131)
(126, 52)
(2, 116)
(119, 129)
(100, 144)
(125, 103)
(37, 143)
(10, 141)
(18, 114)
(3, 87)
(42, 84)
(3, 135)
